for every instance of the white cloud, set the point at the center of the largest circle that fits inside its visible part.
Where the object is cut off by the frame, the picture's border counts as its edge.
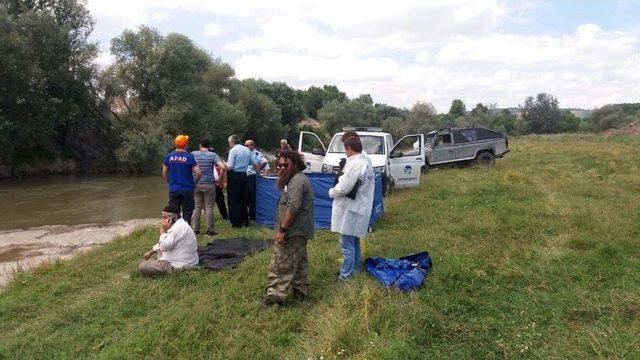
(312, 69)
(212, 29)
(423, 57)
(408, 50)
(588, 68)
(297, 36)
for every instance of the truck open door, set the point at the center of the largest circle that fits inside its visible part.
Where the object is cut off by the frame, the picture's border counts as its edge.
(313, 151)
(406, 160)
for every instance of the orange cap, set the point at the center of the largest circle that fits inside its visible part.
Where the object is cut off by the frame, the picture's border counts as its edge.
(181, 140)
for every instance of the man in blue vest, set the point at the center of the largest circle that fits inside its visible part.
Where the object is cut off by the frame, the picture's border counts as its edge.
(181, 171)
(252, 171)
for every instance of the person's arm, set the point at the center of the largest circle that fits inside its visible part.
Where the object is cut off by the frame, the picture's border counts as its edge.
(169, 237)
(255, 162)
(231, 160)
(197, 172)
(166, 241)
(286, 222)
(165, 171)
(295, 194)
(346, 182)
(262, 162)
(222, 168)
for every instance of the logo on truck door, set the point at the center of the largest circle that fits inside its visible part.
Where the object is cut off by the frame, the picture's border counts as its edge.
(408, 169)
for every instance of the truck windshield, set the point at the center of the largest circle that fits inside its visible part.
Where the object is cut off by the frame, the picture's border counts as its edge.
(371, 144)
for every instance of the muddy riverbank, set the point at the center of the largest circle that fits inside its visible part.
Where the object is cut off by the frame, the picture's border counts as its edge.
(27, 248)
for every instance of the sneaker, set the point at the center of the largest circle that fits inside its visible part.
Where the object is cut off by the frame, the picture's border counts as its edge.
(211, 233)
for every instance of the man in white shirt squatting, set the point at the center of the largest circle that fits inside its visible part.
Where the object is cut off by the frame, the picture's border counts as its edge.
(177, 247)
(350, 217)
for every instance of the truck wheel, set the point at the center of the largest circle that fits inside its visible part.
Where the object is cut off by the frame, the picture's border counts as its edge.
(486, 159)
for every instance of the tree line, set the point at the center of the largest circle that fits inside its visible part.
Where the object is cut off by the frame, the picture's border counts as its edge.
(55, 102)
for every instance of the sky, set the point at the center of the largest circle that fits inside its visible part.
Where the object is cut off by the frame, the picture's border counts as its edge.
(585, 53)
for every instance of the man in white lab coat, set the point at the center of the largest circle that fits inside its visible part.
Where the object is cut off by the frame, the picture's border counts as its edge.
(351, 212)
(177, 247)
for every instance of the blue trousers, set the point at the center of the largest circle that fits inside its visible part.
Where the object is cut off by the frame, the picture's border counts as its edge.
(350, 247)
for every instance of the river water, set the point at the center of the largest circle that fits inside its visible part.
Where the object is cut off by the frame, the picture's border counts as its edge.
(72, 200)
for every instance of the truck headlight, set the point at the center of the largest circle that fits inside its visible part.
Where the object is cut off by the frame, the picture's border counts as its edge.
(379, 169)
(327, 168)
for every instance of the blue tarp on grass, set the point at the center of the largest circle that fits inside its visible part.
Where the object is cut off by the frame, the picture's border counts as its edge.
(405, 273)
(267, 195)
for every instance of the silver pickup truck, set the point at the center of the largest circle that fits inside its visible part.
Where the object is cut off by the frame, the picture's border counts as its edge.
(463, 145)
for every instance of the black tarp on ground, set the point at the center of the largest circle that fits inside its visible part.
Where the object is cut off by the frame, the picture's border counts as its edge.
(227, 253)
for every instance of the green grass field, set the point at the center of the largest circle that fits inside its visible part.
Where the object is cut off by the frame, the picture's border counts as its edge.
(538, 257)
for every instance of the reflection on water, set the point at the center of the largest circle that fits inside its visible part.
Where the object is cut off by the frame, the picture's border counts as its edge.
(70, 199)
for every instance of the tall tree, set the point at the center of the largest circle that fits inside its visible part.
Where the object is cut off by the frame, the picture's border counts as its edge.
(263, 115)
(162, 86)
(422, 118)
(396, 126)
(315, 98)
(457, 108)
(384, 111)
(336, 114)
(137, 56)
(480, 109)
(284, 96)
(541, 114)
(49, 105)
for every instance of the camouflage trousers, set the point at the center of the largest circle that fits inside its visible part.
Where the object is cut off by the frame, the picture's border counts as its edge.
(288, 269)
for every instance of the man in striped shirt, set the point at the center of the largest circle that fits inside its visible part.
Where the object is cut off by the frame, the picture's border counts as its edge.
(205, 190)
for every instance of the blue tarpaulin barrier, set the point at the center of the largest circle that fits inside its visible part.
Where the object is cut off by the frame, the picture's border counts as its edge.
(267, 194)
(405, 273)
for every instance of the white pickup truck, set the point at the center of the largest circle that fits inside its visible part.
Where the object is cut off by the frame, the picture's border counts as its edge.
(402, 170)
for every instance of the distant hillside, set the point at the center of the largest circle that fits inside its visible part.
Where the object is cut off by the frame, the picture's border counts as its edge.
(581, 113)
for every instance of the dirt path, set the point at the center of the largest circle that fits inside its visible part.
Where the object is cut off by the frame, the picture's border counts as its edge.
(26, 248)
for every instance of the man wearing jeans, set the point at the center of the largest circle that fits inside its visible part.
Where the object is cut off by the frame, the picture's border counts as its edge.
(205, 191)
(177, 168)
(350, 214)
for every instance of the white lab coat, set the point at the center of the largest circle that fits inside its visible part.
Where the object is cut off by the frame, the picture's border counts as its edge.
(178, 245)
(351, 217)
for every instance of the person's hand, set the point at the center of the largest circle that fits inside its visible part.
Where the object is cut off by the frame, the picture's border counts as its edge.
(279, 237)
(165, 224)
(149, 254)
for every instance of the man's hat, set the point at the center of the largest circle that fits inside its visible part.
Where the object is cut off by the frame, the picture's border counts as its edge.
(171, 209)
(181, 141)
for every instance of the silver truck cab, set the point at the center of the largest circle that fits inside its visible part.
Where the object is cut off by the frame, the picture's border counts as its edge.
(456, 145)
